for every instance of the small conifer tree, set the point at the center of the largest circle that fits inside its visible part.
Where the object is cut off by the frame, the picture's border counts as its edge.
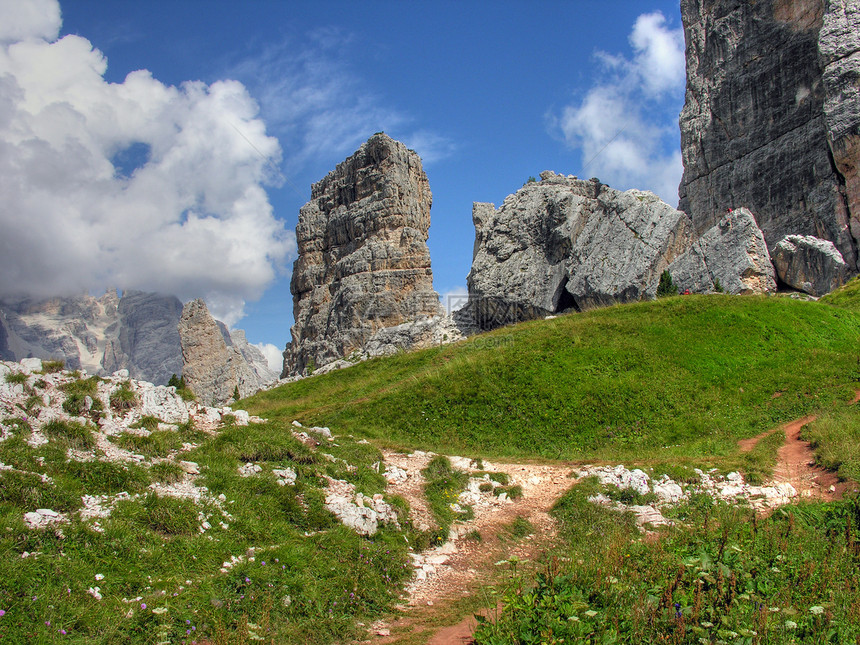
(667, 286)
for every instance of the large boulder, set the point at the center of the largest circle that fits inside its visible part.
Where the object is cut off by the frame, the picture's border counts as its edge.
(772, 117)
(568, 244)
(810, 264)
(732, 255)
(363, 261)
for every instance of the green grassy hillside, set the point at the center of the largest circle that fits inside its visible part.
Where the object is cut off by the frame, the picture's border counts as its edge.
(684, 377)
(846, 296)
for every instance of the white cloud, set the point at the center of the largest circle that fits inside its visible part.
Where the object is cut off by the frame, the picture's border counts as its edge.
(274, 356)
(134, 184)
(319, 108)
(626, 126)
(21, 19)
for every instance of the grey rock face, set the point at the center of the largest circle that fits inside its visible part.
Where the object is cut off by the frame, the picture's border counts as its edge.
(253, 357)
(363, 260)
(565, 243)
(732, 252)
(771, 117)
(147, 343)
(211, 369)
(101, 335)
(809, 264)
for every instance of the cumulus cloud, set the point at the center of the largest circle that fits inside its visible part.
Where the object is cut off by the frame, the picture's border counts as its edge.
(134, 184)
(274, 356)
(626, 126)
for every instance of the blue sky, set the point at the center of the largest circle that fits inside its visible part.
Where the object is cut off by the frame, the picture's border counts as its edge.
(488, 93)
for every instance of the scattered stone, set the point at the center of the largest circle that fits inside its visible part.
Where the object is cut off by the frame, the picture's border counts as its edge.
(190, 467)
(43, 518)
(286, 476)
(363, 515)
(249, 470)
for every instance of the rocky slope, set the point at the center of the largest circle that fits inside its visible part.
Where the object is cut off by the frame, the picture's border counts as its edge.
(771, 117)
(363, 260)
(214, 367)
(101, 335)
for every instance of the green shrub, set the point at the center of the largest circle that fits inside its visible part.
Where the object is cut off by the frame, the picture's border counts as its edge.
(16, 378)
(28, 492)
(165, 515)
(124, 398)
(75, 435)
(513, 492)
(158, 443)
(106, 477)
(50, 367)
(147, 422)
(717, 286)
(166, 472)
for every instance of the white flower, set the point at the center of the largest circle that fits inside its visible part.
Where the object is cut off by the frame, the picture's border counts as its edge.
(159, 610)
(100, 576)
(790, 624)
(817, 610)
(591, 613)
(94, 592)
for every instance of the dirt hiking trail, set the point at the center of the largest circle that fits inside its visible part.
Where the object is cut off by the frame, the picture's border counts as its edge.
(463, 566)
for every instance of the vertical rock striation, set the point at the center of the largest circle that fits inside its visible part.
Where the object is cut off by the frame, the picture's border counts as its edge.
(363, 260)
(213, 368)
(101, 335)
(771, 117)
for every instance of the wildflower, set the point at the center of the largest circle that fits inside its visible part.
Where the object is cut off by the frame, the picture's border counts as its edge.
(247, 580)
(2, 612)
(790, 624)
(591, 613)
(159, 610)
(63, 632)
(143, 605)
(817, 610)
(264, 563)
(100, 576)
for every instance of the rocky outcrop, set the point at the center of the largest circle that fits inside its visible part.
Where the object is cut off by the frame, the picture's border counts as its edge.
(731, 255)
(363, 260)
(771, 117)
(212, 369)
(565, 243)
(101, 335)
(809, 264)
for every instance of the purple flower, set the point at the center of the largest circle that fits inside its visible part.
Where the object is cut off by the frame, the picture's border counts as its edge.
(187, 622)
(63, 632)
(247, 580)
(143, 605)
(2, 612)
(264, 563)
